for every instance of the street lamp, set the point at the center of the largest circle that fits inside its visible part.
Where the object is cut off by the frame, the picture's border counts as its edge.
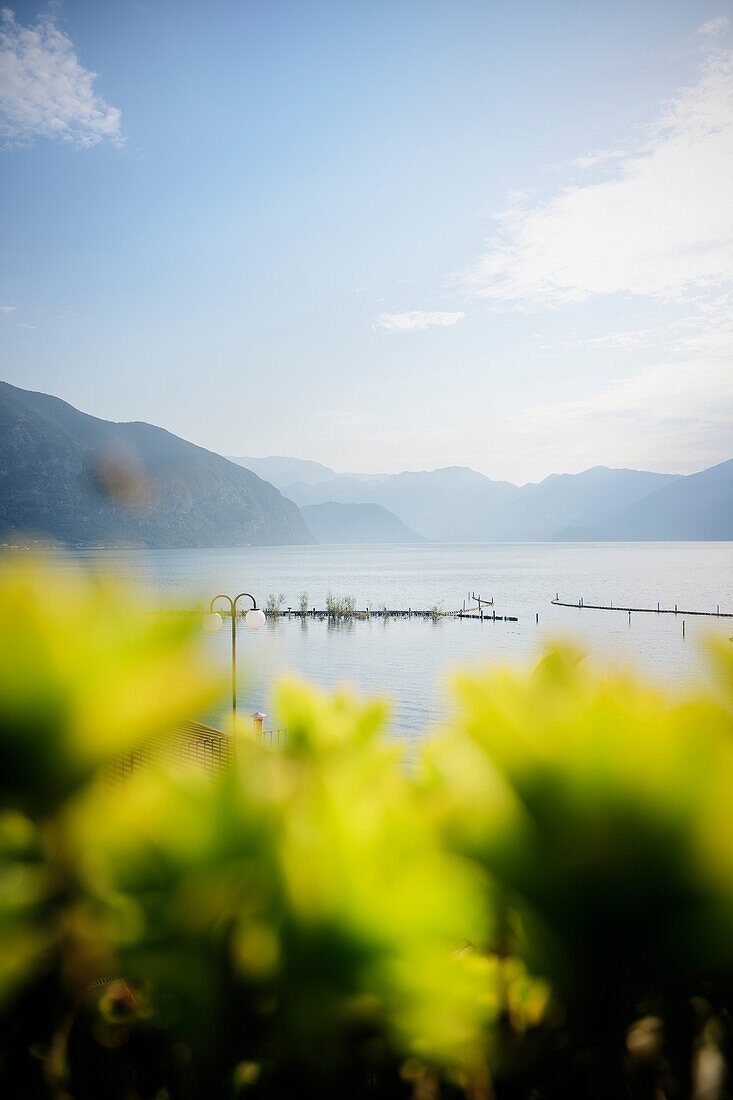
(255, 618)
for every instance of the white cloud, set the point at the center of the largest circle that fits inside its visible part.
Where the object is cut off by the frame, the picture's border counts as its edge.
(415, 321)
(6, 309)
(45, 91)
(713, 27)
(658, 226)
(22, 324)
(601, 156)
(643, 338)
(661, 226)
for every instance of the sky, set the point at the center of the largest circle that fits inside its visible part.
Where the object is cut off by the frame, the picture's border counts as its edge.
(382, 235)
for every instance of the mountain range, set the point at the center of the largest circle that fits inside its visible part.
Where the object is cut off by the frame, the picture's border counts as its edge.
(457, 504)
(698, 507)
(356, 523)
(76, 479)
(71, 477)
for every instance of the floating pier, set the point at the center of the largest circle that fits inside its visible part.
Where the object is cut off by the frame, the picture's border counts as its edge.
(718, 614)
(388, 613)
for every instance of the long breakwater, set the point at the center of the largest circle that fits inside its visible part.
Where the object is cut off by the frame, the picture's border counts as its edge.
(658, 610)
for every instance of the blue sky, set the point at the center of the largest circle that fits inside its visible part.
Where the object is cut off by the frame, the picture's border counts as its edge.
(382, 235)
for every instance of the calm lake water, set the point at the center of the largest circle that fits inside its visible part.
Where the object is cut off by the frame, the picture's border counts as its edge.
(409, 660)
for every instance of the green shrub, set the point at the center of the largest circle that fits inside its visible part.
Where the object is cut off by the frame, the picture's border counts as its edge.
(542, 907)
(274, 605)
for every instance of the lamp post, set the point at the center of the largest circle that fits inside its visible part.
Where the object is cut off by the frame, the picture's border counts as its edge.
(255, 618)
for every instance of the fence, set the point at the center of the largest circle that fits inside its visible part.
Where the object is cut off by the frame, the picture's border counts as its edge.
(190, 745)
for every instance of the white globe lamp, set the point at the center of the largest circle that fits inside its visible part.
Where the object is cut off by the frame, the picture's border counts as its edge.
(212, 622)
(255, 618)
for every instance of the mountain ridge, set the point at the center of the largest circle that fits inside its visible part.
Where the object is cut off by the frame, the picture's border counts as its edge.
(71, 477)
(458, 504)
(699, 505)
(356, 523)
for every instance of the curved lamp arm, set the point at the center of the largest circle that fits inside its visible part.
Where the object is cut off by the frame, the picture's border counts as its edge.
(249, 597)
(233, 602)
(223, 597)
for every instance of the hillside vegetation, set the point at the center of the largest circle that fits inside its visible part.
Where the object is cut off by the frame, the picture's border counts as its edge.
(73, 478)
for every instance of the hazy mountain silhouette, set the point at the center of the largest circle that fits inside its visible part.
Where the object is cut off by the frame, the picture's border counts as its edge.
(457, 504)
(356, 523)
(341, 489)
(698, 507)
(574, 500)
(280, 471)
(453, 504)
(71, 477)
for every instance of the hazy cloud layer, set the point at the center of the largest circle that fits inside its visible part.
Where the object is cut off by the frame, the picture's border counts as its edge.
(658, 226)
(45, 91)
(415, 321)
(676, 416)
(661, 226)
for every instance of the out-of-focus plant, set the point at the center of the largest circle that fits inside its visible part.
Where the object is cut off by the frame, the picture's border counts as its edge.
(299, 914)
(303, 603)
(294, 925)
(542, 907)
(601, 809)
(86, 673)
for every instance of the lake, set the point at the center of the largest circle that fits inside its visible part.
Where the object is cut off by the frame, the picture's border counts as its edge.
(409, 661)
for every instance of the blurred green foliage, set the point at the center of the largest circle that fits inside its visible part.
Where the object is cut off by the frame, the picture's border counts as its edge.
(541, 906)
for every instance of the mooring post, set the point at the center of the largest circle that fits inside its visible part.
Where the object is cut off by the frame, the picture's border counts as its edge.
(629, 618)
(657, 606)
(675, 609)
(537, 616)
(683, 628)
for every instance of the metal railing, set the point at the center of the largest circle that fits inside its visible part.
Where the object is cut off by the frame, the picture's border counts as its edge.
(275, 739)
(190, 745)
